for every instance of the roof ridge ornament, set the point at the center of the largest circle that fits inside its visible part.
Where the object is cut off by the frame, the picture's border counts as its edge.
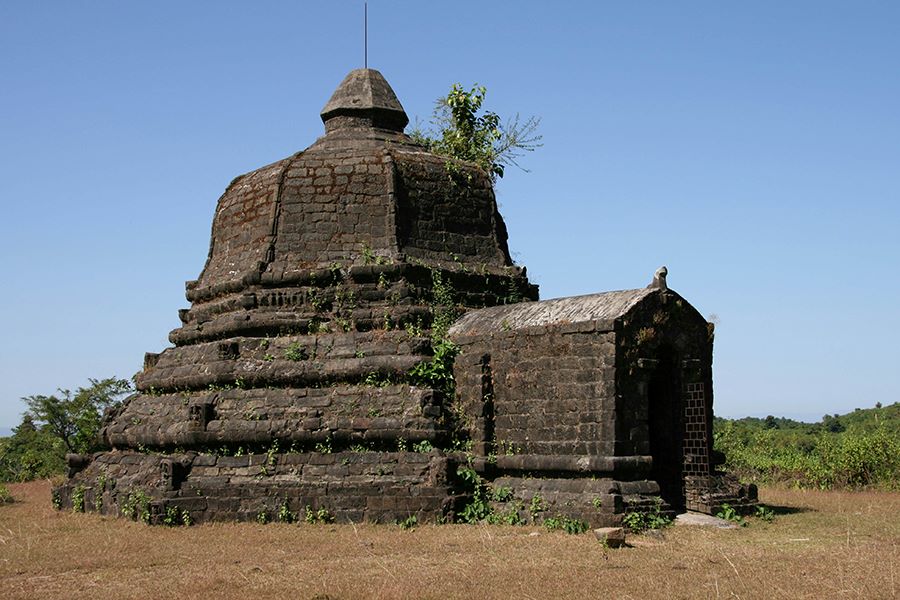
(659, 279)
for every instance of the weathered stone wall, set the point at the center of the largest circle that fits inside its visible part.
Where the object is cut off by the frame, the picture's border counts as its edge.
(707, 493)
(663, 323)
(441, 210)
(358, 329)
(342, 415)
(342, 203)
(242, 226)
(285, 360)
(342, 297)
(348, 486)
(597, 501)
(665, 410)
(334, 204)
(541, 391)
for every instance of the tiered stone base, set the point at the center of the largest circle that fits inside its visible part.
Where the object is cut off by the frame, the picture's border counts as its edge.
(347, 486)
(383, 487)
(598, 502)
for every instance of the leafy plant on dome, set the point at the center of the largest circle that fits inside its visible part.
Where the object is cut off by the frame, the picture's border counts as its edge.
(459, 131)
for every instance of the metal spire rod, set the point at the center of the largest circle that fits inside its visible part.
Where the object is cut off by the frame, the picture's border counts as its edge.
(366, 35)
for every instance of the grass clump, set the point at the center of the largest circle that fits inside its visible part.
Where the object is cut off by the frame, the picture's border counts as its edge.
(320, 516)
(78, 498)
(480, 509)
(567, 524)
(136, 506)
(730, 513)
(295, 352)
(175, 516)
(637, 521)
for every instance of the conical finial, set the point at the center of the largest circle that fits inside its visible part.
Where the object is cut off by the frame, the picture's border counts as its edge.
(364, 99)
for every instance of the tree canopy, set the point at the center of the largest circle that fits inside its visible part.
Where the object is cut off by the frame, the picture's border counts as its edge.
(57, 424)
(30, 453)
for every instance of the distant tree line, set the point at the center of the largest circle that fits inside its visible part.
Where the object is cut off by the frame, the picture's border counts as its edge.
(56, 425)
(855, 450)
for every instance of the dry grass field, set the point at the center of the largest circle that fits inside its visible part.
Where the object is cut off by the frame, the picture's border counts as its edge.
(821, 545)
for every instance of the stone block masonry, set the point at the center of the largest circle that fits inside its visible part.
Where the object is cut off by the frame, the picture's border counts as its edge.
(349, 486)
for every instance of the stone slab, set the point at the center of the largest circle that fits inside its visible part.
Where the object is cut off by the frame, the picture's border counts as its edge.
(701, 520)
(613, 537)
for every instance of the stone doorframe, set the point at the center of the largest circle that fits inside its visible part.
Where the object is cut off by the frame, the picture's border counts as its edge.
(695, 415)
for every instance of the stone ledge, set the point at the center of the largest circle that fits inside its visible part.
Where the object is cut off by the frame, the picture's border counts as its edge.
(578, 464)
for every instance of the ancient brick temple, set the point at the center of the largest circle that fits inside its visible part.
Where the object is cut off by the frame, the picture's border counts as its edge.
(301, 377)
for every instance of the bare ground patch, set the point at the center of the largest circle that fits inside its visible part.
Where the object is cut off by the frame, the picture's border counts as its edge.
(821, 545)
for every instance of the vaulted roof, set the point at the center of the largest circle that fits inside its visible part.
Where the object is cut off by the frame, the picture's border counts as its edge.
(606, 306)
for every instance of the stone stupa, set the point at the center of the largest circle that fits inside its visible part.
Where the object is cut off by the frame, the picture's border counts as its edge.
(289, 381)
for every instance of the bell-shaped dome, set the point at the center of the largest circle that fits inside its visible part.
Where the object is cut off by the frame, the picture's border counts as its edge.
(363, 190)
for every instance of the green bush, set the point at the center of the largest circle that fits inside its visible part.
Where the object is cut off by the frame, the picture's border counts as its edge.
(863, 452)
(57, 424)
(31, 453)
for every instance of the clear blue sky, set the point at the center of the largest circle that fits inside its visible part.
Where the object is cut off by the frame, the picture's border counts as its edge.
(753, 148)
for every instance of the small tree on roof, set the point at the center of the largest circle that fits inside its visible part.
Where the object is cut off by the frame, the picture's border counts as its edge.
(460, 132)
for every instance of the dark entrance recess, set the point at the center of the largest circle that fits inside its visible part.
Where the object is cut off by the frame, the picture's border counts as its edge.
(665, 414)
(487, 410)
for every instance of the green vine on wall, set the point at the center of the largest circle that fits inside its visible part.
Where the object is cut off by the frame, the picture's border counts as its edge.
(437, 373)
(443, 306)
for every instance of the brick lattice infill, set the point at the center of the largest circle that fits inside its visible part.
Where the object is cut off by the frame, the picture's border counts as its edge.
(696, 444)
